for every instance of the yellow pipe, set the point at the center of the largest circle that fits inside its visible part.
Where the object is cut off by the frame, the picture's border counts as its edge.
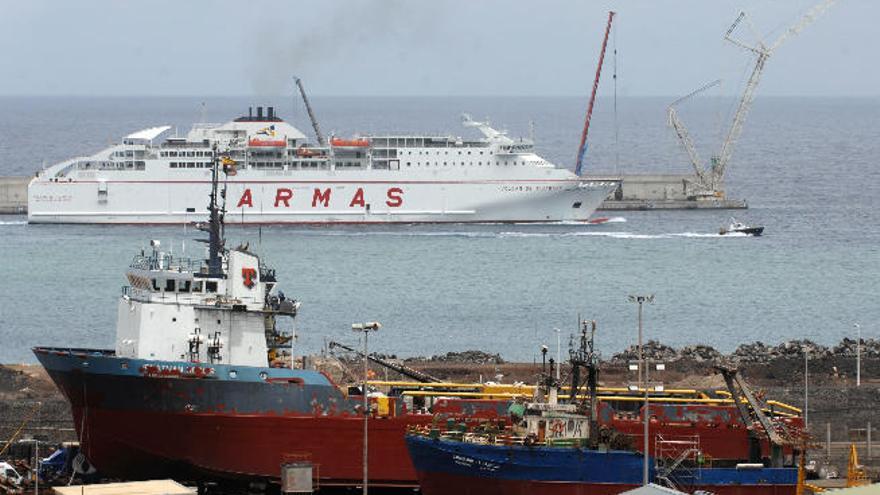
(785, 406)
(507, 390)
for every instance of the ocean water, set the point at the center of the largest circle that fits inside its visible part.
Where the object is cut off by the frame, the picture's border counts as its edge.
(808, 167)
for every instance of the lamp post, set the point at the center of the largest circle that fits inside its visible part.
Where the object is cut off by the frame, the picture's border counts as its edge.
(366, 328)
(806, 388)
(558, 352)
(641, 300)
(858, 354)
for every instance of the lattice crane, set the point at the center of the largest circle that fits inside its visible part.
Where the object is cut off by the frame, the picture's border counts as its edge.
(711, 176)
(684, 137)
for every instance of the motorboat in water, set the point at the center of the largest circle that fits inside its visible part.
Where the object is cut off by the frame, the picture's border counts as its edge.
(737, 227)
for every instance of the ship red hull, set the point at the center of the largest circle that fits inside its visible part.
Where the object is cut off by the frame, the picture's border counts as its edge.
(138, 444)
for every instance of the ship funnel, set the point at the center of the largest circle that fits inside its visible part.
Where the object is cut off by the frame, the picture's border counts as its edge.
(271, 113)
(250, 112)
(259, 113)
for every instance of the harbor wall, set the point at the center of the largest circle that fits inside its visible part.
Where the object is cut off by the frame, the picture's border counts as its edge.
(13, 194)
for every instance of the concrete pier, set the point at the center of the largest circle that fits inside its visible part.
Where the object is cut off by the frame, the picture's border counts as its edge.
(13, 194)
(664, 192)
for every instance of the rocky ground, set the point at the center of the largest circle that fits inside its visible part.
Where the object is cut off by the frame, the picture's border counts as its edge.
(29, 399)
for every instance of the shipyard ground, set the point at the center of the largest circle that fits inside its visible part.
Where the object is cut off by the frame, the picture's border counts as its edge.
(836, 406)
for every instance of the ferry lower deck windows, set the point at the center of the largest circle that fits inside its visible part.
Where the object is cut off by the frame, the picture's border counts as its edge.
(197, 286)
(185, 286)
(169, 285)
(210, 286)
(155, 285)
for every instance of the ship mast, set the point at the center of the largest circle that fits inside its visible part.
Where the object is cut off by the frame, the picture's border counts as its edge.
(216, 212)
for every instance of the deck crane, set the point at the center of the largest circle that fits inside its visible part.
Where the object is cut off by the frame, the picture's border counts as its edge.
(712, 176)
(315, 126)
(582, 149)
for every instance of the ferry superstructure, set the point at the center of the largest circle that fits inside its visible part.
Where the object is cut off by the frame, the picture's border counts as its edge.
(281, 178)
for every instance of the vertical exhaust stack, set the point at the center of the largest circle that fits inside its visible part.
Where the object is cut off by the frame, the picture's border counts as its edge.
(259, 113)
(270, 113)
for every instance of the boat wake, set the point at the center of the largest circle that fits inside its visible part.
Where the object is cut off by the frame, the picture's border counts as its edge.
(13, 222)
(517, 234)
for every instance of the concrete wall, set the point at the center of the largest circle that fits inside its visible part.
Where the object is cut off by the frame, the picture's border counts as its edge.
(654, 187)
(13, 194)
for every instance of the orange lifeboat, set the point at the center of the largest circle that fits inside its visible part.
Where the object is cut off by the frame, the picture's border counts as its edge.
(307, 152)
(350, 143)
(267, 143)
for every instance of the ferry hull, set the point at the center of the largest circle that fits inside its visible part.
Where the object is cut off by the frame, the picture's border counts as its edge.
(262, 201)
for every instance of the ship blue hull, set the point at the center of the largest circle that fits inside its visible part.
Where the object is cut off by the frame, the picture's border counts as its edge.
(448, 466)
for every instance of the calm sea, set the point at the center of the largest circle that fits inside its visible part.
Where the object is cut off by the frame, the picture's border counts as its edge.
(808, 167)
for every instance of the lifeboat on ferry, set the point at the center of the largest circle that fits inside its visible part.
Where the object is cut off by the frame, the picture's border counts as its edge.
(255, 142)
(308, 152)
(349, 143)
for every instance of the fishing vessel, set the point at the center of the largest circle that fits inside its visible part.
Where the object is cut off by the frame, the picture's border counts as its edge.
(153, 177)
(563, 448)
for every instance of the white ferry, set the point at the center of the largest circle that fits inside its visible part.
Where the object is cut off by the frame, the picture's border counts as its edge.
(281, 178)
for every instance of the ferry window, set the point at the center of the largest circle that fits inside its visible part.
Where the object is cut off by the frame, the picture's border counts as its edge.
(481, 152)
(155, 284)
(210, 286)
(407, 164)
(185, 286)
(190, 165)
(169, 285)
(197, 286)
(190, 153)
(469, 152)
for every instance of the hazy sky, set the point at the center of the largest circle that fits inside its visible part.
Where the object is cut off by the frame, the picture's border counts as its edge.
(414, 47)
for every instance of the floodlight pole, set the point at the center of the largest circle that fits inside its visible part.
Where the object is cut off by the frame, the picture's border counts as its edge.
(641, 300)
(858, 354)
(558, 352)
(366, 328)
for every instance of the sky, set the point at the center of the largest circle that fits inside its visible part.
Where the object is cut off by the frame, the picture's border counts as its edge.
(426, 48)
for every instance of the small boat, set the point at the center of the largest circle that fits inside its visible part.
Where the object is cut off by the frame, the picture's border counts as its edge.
(737, 227)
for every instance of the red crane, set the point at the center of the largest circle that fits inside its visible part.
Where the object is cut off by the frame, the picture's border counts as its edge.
(583, 147)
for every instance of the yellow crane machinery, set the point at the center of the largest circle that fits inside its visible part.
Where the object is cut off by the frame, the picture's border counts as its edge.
(855, 472)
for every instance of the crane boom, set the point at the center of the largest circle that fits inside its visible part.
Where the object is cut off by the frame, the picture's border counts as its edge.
(762, 53)
(318, 135)
(682, 133)
(583, 146)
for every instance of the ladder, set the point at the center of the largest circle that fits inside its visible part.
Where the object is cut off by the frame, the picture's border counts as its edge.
(678, 460)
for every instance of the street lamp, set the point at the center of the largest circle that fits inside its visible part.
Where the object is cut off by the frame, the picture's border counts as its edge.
(641, 300)
(558, 352)
(366, 328)
(858, 354)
